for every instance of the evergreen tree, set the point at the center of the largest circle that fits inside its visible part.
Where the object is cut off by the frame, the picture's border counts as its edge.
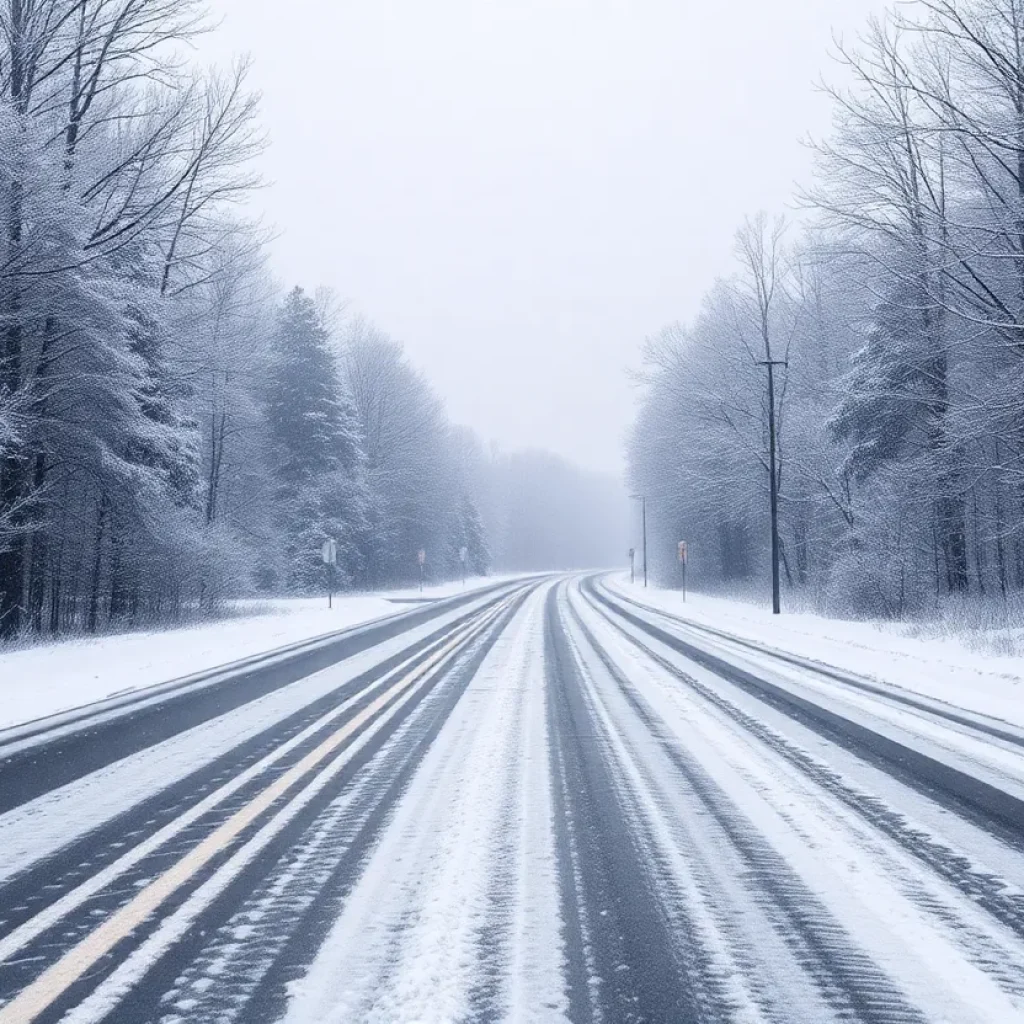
(881, 408)
(318, 448)
(303, 408)
(468, 532)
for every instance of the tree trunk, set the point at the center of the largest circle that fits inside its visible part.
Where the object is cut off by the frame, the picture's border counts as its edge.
(117, 588)
(12, 465)
(94, 595)
(40, 548)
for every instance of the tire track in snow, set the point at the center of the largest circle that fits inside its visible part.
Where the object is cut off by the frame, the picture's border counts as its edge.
(969, 721)
(86, 821)
(242, 955)
(33, 892)
(847, 978)
(144, 946)
(937, 941)
(984, 889)
(432, 930)
(733, 962)
(31, 769)
(997, 811)
(628, 966)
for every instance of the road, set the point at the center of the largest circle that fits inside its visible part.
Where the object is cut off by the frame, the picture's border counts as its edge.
(544, 801)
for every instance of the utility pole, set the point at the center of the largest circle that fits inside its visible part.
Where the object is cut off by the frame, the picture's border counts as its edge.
(760, 248)
(773, 487)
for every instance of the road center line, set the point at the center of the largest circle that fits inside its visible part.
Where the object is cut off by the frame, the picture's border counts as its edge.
(60, 976)
(47, 917)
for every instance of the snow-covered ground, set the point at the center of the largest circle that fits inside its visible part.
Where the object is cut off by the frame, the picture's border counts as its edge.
(556, 812)
(42, 826)
(946, 667)
(903, 882)
(44, 680)
(468, 852)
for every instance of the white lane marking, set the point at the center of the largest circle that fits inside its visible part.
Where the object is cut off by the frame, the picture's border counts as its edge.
(948, 957)
(36, 925)
(462, 886)
(38, 731)
(57, 978)
(51, 822)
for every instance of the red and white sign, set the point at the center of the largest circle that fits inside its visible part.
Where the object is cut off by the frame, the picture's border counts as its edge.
(682, 551)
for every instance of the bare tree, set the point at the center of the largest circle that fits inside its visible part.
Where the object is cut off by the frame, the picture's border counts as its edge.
(759, 247)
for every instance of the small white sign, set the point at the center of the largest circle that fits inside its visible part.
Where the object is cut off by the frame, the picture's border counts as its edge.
(422, 556)
(463, 551)
(329, 551)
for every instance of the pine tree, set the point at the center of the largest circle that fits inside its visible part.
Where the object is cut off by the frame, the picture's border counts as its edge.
(471, 536)
(303, 410)
(319, 453)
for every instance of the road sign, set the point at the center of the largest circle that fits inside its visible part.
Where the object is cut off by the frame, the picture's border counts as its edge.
(421, 557)
(329, 554)
(463, 551)
(682, 551)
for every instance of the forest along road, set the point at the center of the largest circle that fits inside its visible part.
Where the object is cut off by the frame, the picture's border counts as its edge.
(546, 802)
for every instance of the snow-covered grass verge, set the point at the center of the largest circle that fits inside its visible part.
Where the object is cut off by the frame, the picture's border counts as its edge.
(967, 667)
(49, 678)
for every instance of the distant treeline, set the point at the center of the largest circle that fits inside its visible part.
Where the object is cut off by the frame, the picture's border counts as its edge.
(173, 429)
(895, 325)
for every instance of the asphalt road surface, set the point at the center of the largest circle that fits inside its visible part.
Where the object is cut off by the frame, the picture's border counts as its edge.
(545, 801)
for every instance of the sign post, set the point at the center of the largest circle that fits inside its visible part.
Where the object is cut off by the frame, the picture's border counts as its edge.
(329, 554)
(463, 552)
(421, 557)
(682, 564)
(632, 571)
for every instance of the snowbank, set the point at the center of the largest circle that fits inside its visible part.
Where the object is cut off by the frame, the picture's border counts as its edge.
(944, 666)
(39, 681)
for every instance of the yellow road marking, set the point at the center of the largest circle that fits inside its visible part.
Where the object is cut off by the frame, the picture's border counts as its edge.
(60, 976)
(25, 933)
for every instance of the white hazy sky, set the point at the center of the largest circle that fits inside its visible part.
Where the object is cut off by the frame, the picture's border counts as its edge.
(521, 190)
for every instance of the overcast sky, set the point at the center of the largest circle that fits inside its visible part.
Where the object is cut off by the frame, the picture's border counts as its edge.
(521, 190)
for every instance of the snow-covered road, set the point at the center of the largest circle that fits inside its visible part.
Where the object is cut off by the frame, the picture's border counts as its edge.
(545, 803)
